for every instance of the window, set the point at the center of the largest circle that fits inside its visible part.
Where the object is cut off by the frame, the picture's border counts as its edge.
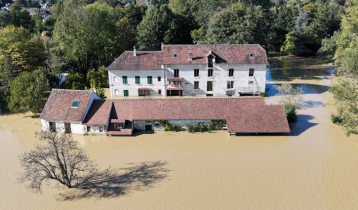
(210, 72)
(251, 55)
(118, 126)
(196, 85)
(231, 72)
(251, 72)
(125, 80)
(175, 55)
(159, 91)
(88, 128)
(149, 80)
(52, 126)
(251, 82)
(176, 72)
(67, 127)
(210, 86)
(125, 93)
(115, 79)
(196, 72)
(75, 104)
(116, 92)
(159, 79)
(101, 129)
(137, 80)
(230, 84)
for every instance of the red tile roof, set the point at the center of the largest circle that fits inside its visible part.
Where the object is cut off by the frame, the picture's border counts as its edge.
(98, 113)
(58, 105)
(145, 60)
(153, 60)
(271, 119)
(228, 54)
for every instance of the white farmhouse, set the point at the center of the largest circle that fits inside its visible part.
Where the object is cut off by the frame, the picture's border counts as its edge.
(190, 70)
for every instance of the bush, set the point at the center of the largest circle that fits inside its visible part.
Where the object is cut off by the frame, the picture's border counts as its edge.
(291, 112)
(264, 94)
(336, 118)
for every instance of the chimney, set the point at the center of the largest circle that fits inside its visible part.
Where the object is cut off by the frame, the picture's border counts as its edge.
(190, 56)
(95, 90)
(134, 51)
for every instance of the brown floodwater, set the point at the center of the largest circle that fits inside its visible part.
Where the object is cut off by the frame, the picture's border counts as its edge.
(313, 168)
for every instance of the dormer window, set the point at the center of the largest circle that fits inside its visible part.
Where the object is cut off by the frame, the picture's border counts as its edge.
(75, 104)
(175, 55)
(251, 55)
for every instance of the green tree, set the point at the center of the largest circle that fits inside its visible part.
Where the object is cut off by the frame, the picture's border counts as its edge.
(29, 92)
(16, 16)
(238, 24)
(159, 25)
(346, 56)
(18, 53)
(98, 77)
(74, 81)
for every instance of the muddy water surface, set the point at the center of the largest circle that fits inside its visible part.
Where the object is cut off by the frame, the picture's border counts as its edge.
(314, 168)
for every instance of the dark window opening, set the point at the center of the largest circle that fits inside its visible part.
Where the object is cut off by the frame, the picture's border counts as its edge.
(125, 80)
(231, 72)
(251, 72)
(149, 80)
(52, 126)
(159, 92)
(67, 128)
(176, 72)
(210, 72)
(196, 72)
(210, 86)
(88, 128)
(159, 79)
(230, 84)
(137, 80)
(196, 85)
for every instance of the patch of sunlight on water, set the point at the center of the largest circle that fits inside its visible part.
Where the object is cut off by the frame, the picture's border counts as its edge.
(313, 168)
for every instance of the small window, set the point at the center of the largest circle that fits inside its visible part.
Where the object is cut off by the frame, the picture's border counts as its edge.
(125, 93)
(52, 126)
(251, 82)
(88, 128)
(251, 72)
(159, 91)
(75, 104)
(196, 85)
(230, 84)
(196, 72)
(176, 72)
(251, 55)
(231, 72)
(209, 86)
(175, 55)
(137, 80)
(116, 92)
(159, 79)
(125, 79)
(101, 129)
(210, 72)
(115, 79)
(149, 80)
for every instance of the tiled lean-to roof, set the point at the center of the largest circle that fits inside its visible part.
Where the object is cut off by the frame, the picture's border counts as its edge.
(98, 113)
(224, 54)
(58, 105)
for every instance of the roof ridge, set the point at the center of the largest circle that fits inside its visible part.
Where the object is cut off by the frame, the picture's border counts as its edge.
(209, 44)
(71, 90)
(193, 98)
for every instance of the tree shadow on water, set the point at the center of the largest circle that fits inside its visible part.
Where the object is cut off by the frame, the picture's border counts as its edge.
(113, 183)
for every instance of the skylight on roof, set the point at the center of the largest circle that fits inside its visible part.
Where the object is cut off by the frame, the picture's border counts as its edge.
(175, 55)
(75, 104)
(251, 55)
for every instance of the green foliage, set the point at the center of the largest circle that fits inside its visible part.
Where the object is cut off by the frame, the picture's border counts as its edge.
(29, 92)
(200, 127)
(290, 111)
(169, 127)
(264, 94)
(329, 46)
(346, 56)
(238, 24)
(98, 76)
(159, 25)
(4, 94)
(336, 118)
(18, 53)
(18, 17)
(73, 81)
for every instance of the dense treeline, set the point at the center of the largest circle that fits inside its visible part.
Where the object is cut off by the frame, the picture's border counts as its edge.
(80, 38)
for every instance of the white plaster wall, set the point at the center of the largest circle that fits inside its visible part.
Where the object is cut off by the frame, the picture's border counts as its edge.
(76, 127)
(220, 77)
(45, 125)
(131, 86)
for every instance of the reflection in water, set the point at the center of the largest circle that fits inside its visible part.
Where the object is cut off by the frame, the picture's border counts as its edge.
(305, 88)
(288, 68)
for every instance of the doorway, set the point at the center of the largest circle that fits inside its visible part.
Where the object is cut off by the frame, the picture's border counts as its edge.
(67, 127)
(148, 127)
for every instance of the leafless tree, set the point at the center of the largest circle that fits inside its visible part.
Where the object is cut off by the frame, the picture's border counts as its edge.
(58, 158)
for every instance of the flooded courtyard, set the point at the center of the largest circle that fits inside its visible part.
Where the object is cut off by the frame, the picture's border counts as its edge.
(313, 168)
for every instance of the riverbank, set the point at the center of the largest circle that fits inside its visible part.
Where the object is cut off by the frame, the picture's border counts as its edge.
(313, 168)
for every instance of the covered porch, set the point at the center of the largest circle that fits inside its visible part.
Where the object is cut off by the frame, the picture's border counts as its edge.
(120, 127)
